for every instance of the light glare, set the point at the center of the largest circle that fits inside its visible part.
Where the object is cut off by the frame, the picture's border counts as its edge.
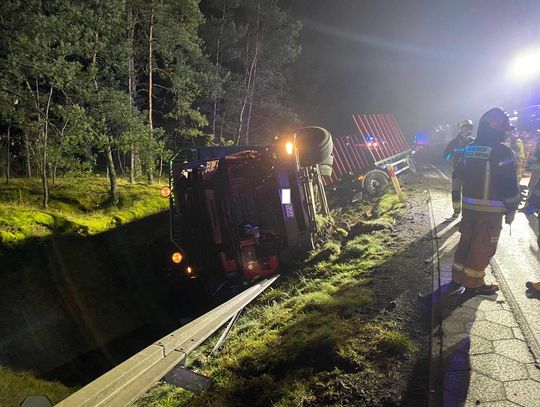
(289, 147)
(176, 257)
(526, 65)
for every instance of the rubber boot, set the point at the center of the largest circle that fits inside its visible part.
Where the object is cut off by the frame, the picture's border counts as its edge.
(533, 286)
(487, 289)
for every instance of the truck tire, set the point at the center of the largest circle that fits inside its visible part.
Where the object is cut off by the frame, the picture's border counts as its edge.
(375, 183)
(314, 145)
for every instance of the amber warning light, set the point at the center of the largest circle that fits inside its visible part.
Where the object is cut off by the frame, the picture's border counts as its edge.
(176, 257)
(165, 192)
(289, 147)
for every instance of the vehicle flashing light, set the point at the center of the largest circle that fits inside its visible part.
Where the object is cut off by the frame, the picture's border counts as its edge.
(177, 257)
(165, 192)
(189, 270)
(526, 65)
(289, 147)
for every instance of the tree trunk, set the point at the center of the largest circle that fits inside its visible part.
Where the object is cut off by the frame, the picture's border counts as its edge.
(8, 153)
(112, 175)
(119, 159)
(131, 85)
(250, 78)
(251, 97)
(150, 170)
(132, 165)
(94, 59)
(160, 167)
(253, 76)
(44, 176)
(218, 49)
(27, 148)
(131, 61)
(150, 68)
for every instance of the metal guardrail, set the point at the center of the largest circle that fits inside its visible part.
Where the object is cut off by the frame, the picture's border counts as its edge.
(125, 383)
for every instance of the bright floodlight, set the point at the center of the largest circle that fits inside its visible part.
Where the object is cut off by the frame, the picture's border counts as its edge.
(526, 65)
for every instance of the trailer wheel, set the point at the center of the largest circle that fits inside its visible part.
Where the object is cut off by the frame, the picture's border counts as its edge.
(412, 166)
(375, 183)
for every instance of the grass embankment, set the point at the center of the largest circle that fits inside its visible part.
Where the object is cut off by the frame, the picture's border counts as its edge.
(317, 338)
(48, 281)
(75, 206)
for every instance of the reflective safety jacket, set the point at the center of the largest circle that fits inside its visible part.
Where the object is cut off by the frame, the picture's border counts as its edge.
(454, 150)
(489, 178)
(534, 199)
(534, 159)
(519, 151)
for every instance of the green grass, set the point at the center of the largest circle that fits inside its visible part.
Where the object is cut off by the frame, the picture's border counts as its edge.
(70, 277)
(75, 206)
(16, 386)
(314, 326)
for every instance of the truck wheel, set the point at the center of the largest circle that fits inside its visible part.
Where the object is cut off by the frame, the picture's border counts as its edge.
(375, 182)
(315, 145)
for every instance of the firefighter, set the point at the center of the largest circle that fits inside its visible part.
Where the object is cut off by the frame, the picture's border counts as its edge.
(490, 191)
(534, 166)
(517, 146)
(454, 151)
(534, 202)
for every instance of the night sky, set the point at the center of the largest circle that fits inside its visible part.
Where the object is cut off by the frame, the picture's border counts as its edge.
(428, 62)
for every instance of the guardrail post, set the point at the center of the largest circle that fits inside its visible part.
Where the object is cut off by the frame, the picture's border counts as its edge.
(395, 181)
(187, 379)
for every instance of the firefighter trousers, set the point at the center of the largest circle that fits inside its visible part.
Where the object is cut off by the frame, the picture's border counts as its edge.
(480, 233)
(456, 193)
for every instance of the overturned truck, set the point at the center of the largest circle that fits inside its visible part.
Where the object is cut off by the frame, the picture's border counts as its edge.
(239, 212)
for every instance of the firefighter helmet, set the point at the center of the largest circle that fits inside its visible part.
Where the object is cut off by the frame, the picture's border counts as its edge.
(497, 119)
(465, 123)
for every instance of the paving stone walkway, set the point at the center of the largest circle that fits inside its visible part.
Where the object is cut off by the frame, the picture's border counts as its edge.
(479, 350)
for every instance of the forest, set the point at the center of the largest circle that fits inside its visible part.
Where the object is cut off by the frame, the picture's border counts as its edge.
(116, 87)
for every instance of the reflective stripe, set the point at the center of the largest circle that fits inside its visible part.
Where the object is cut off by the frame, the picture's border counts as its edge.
(483, 208)
(484, 202)
(481, 152)
(487, 181)
(512, 199)
(506, 162)
(458, 266)
(472, 273)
